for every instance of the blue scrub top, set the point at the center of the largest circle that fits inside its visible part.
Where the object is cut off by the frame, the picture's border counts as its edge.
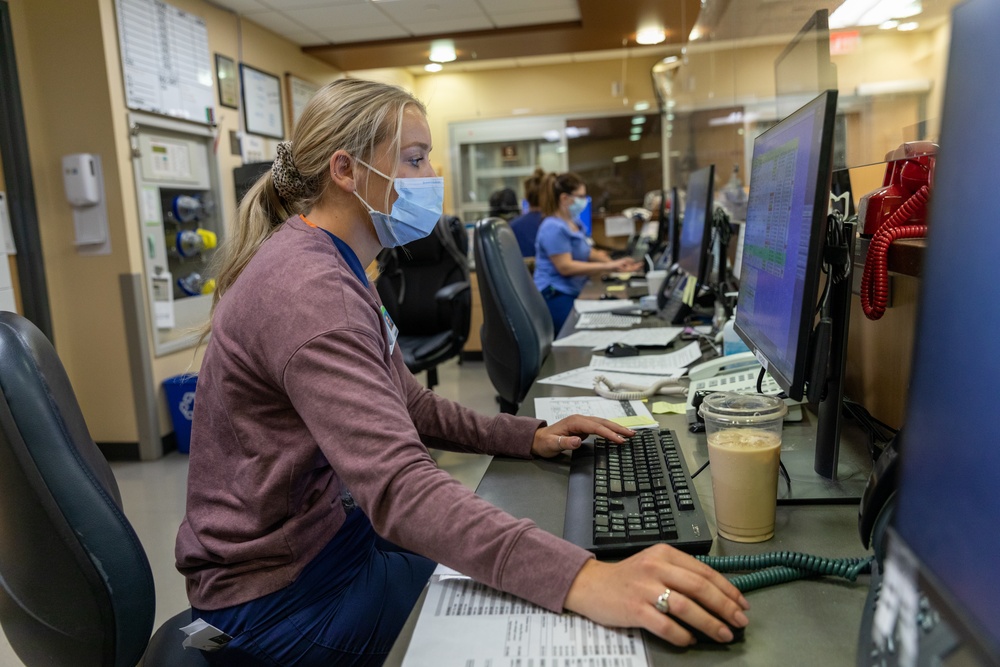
(556, 238)
(525, 228)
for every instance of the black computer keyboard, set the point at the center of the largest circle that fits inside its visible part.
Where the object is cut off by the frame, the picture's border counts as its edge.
(624, 498)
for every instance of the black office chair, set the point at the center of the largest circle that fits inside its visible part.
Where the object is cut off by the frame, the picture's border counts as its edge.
(424, 286)
(75, 585)
(517, 327)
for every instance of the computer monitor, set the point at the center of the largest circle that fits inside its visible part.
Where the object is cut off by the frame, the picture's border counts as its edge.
(693, 254)
(783, 241)
(783, 258)
(804, 68)
(950, 429)
(668, 229)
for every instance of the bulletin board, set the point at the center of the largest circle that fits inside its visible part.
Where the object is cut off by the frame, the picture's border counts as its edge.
(166, 64)
(262, 103)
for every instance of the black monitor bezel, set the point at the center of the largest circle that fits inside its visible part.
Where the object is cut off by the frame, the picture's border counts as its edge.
(700, 274)
(794, 384)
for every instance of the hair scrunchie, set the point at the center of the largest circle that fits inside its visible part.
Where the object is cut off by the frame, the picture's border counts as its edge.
(286, 178)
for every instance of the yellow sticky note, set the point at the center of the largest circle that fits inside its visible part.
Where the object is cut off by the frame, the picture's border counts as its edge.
(633, 421)
(664, 408)
(615, 288)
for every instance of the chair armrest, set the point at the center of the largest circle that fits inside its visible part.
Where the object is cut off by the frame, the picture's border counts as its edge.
(450, 291)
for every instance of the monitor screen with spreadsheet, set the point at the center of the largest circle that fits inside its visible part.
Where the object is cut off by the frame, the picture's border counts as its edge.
(783, 240)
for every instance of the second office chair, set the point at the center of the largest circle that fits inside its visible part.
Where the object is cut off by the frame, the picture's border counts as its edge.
(517, 328)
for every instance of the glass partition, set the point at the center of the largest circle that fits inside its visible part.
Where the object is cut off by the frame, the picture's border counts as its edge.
(747, 64)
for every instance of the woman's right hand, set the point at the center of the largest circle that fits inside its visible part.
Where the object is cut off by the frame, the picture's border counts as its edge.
(624, 594)
(625, 265)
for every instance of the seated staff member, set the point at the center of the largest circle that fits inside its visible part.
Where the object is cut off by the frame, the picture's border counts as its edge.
(314, 512)
(525, 227)
(564, 258)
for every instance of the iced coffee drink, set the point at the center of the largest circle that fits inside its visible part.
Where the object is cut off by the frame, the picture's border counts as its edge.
(744, 449)
(744, 465)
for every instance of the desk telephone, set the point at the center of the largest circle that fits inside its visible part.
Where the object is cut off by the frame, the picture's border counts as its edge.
(895, 211)
(736, 373)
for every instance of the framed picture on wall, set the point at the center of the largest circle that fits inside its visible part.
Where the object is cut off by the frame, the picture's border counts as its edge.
(300, 91)
(225, 78)
(262, 103)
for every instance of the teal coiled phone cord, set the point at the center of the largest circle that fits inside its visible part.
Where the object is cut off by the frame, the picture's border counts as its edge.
(761, 570)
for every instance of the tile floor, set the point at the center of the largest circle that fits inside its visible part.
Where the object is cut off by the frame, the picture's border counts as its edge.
(153, 491)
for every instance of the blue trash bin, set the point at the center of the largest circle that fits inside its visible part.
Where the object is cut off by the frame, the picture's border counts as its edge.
(180, 400)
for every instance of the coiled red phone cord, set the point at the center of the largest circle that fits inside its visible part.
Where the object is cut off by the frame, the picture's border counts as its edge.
(875, 279)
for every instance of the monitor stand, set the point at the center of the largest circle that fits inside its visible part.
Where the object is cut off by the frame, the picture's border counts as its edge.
(830, 472)
(854, 466)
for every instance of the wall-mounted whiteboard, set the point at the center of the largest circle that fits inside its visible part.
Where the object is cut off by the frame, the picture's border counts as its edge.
(165, 60)
(262, 103)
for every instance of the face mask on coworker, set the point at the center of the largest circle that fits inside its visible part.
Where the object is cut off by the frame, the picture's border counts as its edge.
(576, 208)
(414, 213)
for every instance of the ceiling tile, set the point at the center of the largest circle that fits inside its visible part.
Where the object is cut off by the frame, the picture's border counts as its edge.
(341, 17)
(425, 11)
(445, 26)
(347, 34)
(284, 5)
(244, 6)
(540, 16)
(516, 6)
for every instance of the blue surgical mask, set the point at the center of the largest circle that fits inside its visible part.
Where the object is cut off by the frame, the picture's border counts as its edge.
(576, 208)
(415, 212)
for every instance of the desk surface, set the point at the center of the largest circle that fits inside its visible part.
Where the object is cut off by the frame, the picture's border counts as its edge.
(814, 622)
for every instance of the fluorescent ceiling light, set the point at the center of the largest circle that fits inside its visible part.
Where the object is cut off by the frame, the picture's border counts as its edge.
(443, 51)
(433, 67)
(655, 155)
(635, 137)
(638, 120)
(889, 25)
(650, 35)
(905, 27)
(641, 106)
(573, 132)
(620, 158)
(872, 12)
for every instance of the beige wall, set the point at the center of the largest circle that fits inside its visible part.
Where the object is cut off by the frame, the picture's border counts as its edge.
(73, 95)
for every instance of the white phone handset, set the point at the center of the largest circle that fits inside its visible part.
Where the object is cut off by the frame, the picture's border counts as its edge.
(728, 364)
(630, 392)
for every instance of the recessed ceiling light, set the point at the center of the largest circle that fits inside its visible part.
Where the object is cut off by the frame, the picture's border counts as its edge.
(619, 158)
(442, 51)
(905, 27)
(635, 137)
(889, 25)
(650, 35)
(433, 67)
(641, 106)
(638, 120)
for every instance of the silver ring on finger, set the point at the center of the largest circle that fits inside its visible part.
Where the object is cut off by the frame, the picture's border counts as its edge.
(559, 442)
(663, 602)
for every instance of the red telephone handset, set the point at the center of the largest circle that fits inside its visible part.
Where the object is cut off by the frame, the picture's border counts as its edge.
(897, 210)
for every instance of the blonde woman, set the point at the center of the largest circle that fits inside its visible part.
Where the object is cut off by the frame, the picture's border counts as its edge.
(315, 513)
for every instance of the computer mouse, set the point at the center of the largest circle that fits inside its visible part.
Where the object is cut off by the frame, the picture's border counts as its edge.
(702, 638)
(621, 350)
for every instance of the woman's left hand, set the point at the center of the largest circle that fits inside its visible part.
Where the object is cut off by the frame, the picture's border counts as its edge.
(566, 434)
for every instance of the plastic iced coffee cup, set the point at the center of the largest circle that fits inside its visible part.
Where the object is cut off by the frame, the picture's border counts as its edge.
(744, 449)
(654, 280)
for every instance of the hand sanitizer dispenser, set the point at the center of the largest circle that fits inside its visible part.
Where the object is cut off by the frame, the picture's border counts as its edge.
(81, 180)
